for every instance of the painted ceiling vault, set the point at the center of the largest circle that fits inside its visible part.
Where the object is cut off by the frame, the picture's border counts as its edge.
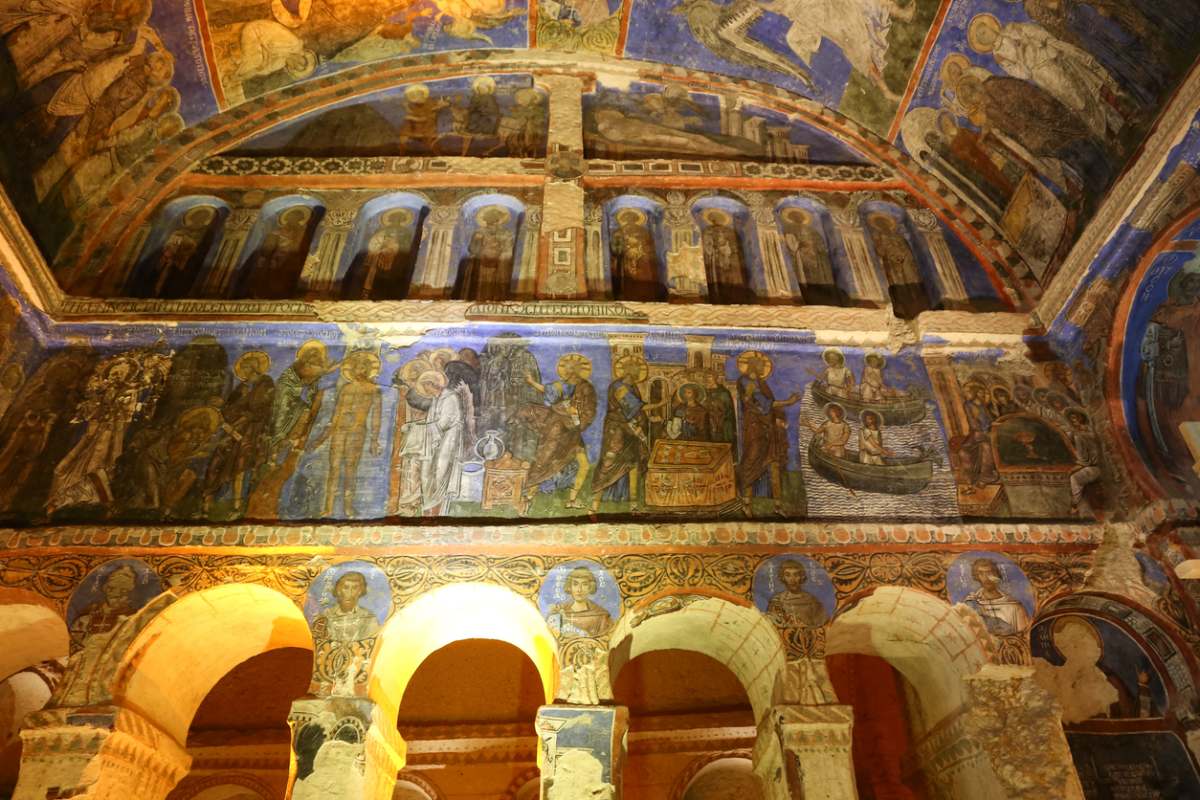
(1024, 111)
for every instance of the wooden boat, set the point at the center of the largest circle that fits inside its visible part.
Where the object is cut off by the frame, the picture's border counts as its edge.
(903, 409)
(902, 475)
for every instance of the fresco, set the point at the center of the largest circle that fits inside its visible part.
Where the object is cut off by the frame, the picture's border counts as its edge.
(346, 606)
(649, 120)
(107, 596)
(854, 56)
(1117, 711)
(1160, 365)
(501, 115)
(579, 598)
(794, 590)
(1020, 442)
(1028, 109)
(994, 588)
(513, 421)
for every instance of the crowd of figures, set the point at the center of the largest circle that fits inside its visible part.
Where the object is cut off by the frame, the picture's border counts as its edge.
(159, 433)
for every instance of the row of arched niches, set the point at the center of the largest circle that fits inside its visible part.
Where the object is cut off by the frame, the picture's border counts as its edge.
(842, 249)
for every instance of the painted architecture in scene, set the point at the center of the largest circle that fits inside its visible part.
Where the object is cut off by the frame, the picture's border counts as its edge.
(561, 399)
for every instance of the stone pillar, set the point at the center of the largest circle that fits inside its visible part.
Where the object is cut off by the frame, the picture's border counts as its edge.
(770, 244)
(343, 748)
(598, 287)
(581, 751)
(1017, 725)
(233, 240)
(432, 276)
(101, 753)
(686, 279)
(561, 270)
(803, 751)
(320, 271)
(867, 285)
(950, 284)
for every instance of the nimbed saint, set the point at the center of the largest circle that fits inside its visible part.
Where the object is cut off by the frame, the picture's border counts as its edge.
(346, 620)
(580, 615)
(792, 605)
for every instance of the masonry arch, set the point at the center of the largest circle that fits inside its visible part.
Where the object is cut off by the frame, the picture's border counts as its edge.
(31, 631)
(452, 614)
(190, 645)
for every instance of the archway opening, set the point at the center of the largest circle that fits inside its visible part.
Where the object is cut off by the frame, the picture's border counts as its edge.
(479, 692)
(725, 779)
(244, 719)
(680, 695)
(885, 766)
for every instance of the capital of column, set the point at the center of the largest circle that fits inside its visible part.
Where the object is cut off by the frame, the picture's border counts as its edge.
(804, 750)
(343, 748)
(581, 751)
(106, 753)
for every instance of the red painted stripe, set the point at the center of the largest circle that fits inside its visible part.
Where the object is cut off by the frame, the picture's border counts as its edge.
(914, 79)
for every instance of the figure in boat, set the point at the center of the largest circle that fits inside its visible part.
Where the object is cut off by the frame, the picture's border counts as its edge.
(836, 384)
(833, 433)
(870, 441)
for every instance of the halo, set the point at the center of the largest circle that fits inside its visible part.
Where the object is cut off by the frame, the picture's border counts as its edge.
(206, 414)
(879, 219)
(757, 359)
(257, 357)
(833, 351)
(950, 60)
(863, 417)
(701, 392)
(1071, 411)
(199, 217)
(978, 23)
(624, 362)
(797, 215)
(715, 216)
(395, 218)
(447, 354)
(417, 93)
(838, 406)
(372, 364)
(299, 213)
(1064, 622)
(628, 213)
(500, 214)
(311, 346)
(947, 123)
(414, 369)
(873, 358)
(484, 84)
(581, 363)
(430, 375)
(526, 96)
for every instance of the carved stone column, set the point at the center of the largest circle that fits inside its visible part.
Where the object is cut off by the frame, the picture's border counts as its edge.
(770, 243)
(233, 240)
(433, 274)
(560, 271)
(954, 764)
(101, 753)
(867, 285)
(686, 279)
(950, 284)
(1018, 726)
(343, 749)
(581, 751)
(804, 751)
(320, 271)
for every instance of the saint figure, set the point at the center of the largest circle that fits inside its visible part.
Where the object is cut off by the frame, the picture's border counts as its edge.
(246, 418)
(899, 267)
(1002, 613)
(580, 615)
(724, 263)
(386, 269)
(346, 620)
(634, 258)
(764, 429)
(624, 444)
(486, 271)
(792, 605)
(274, 269)
(810, 258)
(182, 254)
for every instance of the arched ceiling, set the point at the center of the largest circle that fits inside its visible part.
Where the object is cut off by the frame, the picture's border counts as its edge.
(1025, 110)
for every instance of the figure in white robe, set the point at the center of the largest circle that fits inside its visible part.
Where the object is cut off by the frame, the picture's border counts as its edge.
(1069, 74)
(858, 27)
(436, 442)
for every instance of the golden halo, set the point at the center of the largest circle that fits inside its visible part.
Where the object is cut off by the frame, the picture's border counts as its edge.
(369, 361)
(881, 220)
(715, 216)
(443, 354)
(413, 370)
(484, 84)
(624, 363)
(429, 375)
(395, 218)
(581, 364)
(497, 214)
(954, 59)
(979, 23)
(199, 217)
(757, 360)
(308, 348)
(206, 416)
(527, 96)
(301, 215)
(636, 215)
(417, 93)
(256, 358)
(797, 215)
(701, 392)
